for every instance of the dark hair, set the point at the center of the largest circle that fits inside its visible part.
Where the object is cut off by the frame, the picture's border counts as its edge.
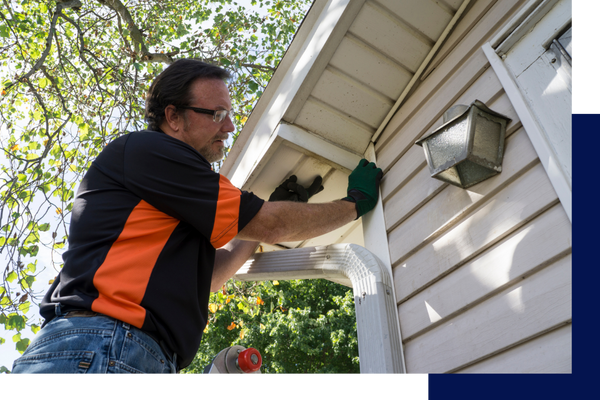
(172, 86)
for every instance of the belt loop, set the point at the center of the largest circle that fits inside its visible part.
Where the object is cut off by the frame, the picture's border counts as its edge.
(126, 325)
(57, 310)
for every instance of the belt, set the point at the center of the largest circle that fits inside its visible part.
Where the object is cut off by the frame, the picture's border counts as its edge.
(82, 313)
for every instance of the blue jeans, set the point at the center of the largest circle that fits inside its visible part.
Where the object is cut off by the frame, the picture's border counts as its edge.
(92, 344)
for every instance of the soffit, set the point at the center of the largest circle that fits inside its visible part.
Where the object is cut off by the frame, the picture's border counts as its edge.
(355, 79)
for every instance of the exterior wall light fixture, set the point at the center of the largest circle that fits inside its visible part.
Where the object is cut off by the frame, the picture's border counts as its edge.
(469, 146)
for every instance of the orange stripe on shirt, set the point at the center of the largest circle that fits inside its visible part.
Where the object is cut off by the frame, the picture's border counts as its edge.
(123, 277)
(226, 218)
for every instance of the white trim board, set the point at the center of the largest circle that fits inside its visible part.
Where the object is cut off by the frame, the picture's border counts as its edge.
(537, 137)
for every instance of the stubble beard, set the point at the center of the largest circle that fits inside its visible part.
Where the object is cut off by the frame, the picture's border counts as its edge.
(207, 151)
(211, 155)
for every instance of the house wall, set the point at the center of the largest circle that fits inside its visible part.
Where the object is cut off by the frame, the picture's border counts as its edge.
(483, 275)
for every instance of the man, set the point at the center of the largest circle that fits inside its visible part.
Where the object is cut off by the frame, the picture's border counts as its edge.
(154, 230)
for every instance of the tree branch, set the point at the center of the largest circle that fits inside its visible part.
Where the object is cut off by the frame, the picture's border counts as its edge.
(75, 4)
(40, 62)
(139, 45)
(260, 67)
(159, 57)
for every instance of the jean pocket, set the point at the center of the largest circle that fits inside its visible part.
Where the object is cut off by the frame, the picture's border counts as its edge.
(60, 362)
(120, 369)
(141, 354)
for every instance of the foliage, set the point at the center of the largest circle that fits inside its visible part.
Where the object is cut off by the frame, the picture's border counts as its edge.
(73, 77)
(297, 326)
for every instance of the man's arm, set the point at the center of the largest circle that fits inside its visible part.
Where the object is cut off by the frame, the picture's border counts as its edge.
(287, 221)
(229, 259)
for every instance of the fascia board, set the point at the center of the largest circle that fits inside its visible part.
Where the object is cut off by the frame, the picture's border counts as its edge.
(318, 146)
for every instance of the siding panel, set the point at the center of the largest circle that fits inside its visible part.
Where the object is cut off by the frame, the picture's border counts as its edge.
(537, 304)
(498, 217)
(543, 239)
(550, 353)
(464, 26)
(453, 203)
(422, 187)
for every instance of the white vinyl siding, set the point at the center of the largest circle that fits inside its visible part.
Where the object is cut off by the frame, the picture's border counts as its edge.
(482, 276)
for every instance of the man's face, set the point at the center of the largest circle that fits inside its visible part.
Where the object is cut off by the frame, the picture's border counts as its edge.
(199, 130)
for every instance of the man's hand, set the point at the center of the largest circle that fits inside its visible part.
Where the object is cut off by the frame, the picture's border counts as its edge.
(289, 190)
(363, 187)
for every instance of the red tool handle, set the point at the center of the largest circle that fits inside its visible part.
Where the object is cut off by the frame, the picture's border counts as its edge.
(249, 360)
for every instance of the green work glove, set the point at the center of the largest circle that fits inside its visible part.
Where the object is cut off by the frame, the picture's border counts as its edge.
(289, 190)
(363, 186)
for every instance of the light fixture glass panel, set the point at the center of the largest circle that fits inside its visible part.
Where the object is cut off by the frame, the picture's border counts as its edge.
(449, 144)
(487, 138)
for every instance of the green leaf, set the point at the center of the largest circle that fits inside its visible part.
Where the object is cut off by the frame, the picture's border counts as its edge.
(12, 276)
(31, 268)
(44, 227)
(15, 322)
(253, 86)
(43, 82)
(24, 307)
(45, 187)
(22, 345)
(29, 280)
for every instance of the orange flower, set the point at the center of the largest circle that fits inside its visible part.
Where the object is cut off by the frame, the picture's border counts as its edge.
(259, 301)
(230, 327)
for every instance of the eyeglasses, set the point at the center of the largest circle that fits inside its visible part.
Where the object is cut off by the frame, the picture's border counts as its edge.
(218, 115)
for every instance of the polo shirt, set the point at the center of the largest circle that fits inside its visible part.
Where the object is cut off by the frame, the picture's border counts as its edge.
(146, 222)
